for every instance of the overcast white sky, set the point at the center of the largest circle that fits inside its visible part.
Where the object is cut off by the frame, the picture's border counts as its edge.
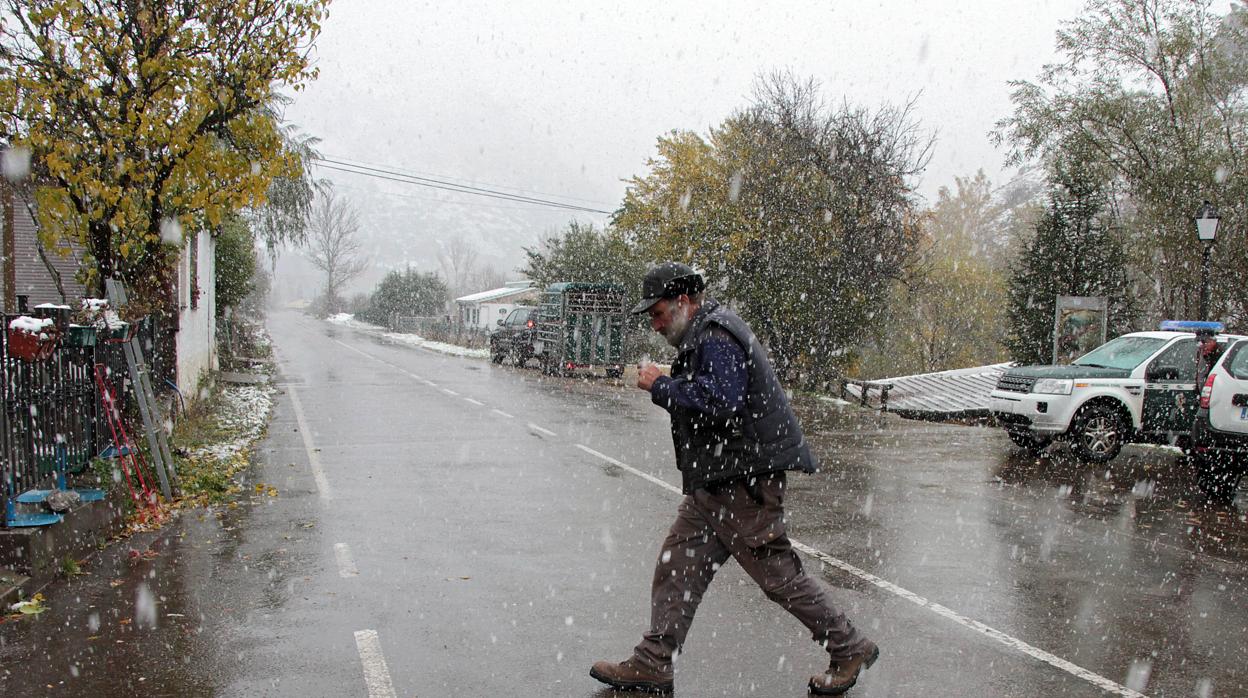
(568, 98)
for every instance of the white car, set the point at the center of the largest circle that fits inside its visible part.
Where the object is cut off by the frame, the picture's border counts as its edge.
(1140, 387)
(1220, 436)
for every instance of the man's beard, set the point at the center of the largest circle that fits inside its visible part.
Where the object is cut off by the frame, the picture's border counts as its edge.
(675, 330)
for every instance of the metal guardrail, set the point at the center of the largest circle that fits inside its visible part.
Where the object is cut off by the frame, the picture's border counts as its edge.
(864, 392)
(50, 413)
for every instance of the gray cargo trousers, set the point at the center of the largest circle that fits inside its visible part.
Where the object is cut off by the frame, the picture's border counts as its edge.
(744, 520)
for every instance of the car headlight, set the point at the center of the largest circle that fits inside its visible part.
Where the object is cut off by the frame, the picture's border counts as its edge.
(1053, 386)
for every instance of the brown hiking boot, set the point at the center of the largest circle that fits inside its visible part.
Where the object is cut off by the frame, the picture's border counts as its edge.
(842, 674)
(631, 675)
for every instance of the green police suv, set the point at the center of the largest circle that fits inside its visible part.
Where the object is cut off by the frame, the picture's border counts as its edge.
(1137, 388)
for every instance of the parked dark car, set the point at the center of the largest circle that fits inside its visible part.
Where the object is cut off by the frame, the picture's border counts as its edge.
(514, 336)
(1220, 433)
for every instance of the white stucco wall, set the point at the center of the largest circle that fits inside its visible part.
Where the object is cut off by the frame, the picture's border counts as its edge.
(197, 329)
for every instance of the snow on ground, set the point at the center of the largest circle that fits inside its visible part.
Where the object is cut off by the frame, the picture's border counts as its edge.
(415, 340)
(243, 412)
(348, 320)
(1165, 448)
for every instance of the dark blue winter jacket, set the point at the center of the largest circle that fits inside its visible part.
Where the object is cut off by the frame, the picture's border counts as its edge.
(730, 416)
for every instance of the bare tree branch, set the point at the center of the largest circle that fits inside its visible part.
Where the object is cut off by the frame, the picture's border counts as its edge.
(333, 246)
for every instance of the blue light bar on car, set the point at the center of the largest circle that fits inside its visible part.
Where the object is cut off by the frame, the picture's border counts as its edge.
(1191, 326)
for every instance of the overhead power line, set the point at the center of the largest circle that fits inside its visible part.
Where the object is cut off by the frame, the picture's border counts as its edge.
(433, 183)
(436, 199)
(463, 181)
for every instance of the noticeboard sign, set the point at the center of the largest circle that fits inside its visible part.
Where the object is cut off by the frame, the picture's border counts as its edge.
(1079, 326)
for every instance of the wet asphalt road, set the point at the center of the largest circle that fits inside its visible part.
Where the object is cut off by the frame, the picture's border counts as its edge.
(447, 527)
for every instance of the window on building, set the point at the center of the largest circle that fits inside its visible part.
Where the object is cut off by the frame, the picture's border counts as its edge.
(193, 258)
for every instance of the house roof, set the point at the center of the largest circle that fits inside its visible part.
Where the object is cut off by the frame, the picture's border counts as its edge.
(515, 288)
(563, 286)
(28, 272)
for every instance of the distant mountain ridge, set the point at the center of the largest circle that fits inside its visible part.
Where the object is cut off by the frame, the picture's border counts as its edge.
(401, 231)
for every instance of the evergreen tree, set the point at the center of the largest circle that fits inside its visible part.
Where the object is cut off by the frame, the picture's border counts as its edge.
(1141, 87)
(407, 293)
(584, 252)
(235, 262)
(1073, 253)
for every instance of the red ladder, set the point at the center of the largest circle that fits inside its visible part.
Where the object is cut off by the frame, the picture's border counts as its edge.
(128, 456)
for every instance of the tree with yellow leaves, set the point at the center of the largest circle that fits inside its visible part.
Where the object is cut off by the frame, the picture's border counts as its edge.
(144, 117)
(799, 212)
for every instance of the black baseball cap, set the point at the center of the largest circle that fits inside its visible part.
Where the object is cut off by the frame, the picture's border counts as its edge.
(668, 280)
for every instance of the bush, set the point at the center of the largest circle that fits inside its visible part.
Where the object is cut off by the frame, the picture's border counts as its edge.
(407, 293)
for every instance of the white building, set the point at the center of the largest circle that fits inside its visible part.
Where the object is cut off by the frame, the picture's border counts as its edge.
(483, 310)
(197, 312)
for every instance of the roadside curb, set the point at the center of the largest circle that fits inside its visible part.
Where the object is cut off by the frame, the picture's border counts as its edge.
(32, 556)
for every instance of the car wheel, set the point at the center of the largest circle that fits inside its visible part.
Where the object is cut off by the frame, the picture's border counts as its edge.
(615, 372)
(496, 356)
(1029, 442)
(1218, 476)
(1098, 433)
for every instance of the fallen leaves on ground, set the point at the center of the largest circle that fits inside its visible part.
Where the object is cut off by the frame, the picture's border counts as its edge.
(135, 556)
(30, 607)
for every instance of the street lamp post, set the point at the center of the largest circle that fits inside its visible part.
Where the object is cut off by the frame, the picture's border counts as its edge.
(1206, 231)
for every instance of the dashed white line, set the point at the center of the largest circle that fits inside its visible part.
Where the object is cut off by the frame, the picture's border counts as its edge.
(346, 564)
(503, 414)
(361, 353)
(645, 476)
(376, 673)
(314, 460)
(428, 382)
(1007, 640)
(377, 676)
(547, 432)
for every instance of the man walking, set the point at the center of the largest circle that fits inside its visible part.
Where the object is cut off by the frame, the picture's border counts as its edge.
(735, 436)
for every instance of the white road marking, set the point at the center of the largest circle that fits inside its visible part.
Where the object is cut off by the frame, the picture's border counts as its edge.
(428, 382)
(1007, 640)
(361, 353)
(314, 460)
(346, 564)
(645, 476)
(504, 414)
(383, 362)
(547, 432)
(376, 673)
